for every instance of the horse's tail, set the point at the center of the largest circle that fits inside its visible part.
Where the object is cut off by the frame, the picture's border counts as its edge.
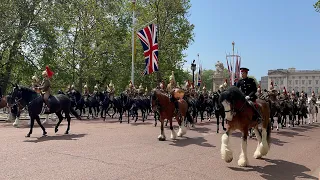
(75, 113)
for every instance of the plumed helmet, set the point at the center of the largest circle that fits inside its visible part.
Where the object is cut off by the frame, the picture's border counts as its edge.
(130, 84)
(171, 76)
(140, 87)
(35, 78)
(204, 87)
(259, 88)
(72, 86)
(96, 87)
(111, 84)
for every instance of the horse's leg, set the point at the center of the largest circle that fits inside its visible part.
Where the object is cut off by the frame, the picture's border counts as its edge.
(68, 120)
(162, 136)
(257, 153)
(264, 145)
(217, 116)
(167, 122)
(16, 120)
(155, 119)
(243, 158)
(31, 126)
(44, 133)
(225, 150)
(182, 129)
(59, 122)
(278, 121)
(173, 132)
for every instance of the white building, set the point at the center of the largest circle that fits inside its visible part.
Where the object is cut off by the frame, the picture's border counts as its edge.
(297, 80)
(264, 82)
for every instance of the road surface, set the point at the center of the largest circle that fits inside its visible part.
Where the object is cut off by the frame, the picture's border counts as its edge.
(108, 150)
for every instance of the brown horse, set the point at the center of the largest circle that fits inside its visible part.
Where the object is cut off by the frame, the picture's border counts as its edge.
(3, 102)
(160, 102)
(239, 114)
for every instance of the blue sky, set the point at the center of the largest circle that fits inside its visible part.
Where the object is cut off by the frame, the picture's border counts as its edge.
(267, 34)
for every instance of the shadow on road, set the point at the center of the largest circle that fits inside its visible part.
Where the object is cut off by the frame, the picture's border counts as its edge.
(55, 138)
(280, 169)
(289, 133)
(200, 141)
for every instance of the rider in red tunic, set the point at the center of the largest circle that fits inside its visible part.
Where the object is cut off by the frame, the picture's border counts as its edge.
(46, 86)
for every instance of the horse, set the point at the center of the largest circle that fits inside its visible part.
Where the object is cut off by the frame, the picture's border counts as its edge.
(313, 110)
(35, 104)
(239, 114)
(160, 102)
(3, 102)
(218, 111)
(77, 100)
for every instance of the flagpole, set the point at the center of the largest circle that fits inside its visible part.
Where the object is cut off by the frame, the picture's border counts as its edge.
(232, 80)
(199, 74)
(133, 34)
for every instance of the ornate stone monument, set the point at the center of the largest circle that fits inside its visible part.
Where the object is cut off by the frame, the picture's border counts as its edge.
(218, 76)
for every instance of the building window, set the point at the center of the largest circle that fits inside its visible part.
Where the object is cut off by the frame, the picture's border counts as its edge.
(309, 89)
(299, 77)
(290, 82)
(281, 82)
(306, 77)
(296, 88)
(312, 77)
(296, 81)
(309, 81)
(317, 90)
(302, 82)
(303, 89)
(290, 88)
(292, 77)
(317, 81)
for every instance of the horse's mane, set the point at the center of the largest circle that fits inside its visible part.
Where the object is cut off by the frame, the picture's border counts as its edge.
(232, 94)
(27, 90)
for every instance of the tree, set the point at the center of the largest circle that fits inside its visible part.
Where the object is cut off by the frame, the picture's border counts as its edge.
(255, 80)
(317, 6)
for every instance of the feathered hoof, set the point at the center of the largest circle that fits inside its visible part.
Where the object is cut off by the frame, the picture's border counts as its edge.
(161, 137)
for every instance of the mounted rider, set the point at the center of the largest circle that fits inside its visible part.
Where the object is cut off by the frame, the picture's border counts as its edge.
(35, 84)
(205, 92)
(72, 88)
(86, 90)
(172, 83)
(293, 96)
(146, 92)
(140, 90)
(175, 93)
(249, 88)
(46, 87)
(313, 98)
(131, 91)
(95, 89)
(162, 86)
(284, 95)
(111, 90)
(303, 98)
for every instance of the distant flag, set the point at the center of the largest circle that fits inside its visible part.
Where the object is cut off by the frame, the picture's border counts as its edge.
(148, 38)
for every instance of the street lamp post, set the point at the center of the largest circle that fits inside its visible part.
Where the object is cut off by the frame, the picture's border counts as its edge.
(193, 68)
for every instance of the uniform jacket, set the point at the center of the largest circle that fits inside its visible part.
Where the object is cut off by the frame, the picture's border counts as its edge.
(248, 87)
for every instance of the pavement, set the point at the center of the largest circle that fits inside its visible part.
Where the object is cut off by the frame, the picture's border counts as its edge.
(112, 151)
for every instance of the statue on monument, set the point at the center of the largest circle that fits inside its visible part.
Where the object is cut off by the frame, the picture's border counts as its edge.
(219, 68)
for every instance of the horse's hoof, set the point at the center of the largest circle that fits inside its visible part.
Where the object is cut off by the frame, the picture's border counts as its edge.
(217, 131)
(224, 129)
(161, 138)
(44, 134)
(66, 132)
(56, 130)
(28, 135)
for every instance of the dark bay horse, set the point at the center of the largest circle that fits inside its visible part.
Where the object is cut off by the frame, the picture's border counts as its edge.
(78, 101)
(3, 102)
(219, 111)
(160, 102)
(239, 114)
(34, 102)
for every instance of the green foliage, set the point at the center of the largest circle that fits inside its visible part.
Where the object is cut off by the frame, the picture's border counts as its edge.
(257, 82)
(89, 41)
(317, 6)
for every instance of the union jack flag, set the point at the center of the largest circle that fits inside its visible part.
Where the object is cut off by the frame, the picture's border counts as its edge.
(148, 38)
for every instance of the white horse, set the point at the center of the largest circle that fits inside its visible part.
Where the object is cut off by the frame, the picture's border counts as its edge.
(313, 110)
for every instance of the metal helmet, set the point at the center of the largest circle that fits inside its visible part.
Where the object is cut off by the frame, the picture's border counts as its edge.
(130, 84)
(35, 78)
(96, 87)
(72, 86)
(171, 78)
(111, 84)
(140, 87)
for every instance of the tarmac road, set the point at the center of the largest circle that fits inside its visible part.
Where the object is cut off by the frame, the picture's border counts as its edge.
(109, 150)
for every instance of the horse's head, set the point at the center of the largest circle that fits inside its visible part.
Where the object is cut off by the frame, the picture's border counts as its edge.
(233, 100)
(22, 95)
(156, 98)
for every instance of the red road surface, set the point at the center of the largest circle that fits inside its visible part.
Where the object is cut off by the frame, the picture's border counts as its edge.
(108, 151)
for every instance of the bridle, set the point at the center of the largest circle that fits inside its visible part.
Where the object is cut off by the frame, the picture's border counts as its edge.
(233, 110)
